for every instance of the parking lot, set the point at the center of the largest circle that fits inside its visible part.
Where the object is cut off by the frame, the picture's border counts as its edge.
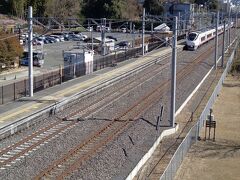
(54, 51)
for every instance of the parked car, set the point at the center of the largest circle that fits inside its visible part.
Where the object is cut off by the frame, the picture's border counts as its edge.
(57, 38)
(89, 29)
(50, 39)
(122, 45)
(111, 37)
(107, 29)
(124, 30)
(99, 28)
(76, 34)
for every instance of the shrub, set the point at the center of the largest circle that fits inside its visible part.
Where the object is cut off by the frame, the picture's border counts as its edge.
(10, 48)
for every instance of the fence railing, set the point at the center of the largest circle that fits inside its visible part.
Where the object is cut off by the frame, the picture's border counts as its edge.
(16, 90)
(193, 134)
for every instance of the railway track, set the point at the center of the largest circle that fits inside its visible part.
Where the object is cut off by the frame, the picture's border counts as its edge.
(15, 152)
(95, 142)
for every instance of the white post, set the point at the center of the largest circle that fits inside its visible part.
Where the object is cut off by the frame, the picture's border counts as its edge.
(216, 41)
(223, 45)
(143, 31)
(229, 23)
(30, 51)
(173, 80)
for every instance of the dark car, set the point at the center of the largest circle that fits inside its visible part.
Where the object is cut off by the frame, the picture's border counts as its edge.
(123, 44)
(50, 39)
(111, 37)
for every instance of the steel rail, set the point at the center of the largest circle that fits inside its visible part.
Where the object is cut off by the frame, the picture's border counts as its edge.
(72, 164)
(14, 149)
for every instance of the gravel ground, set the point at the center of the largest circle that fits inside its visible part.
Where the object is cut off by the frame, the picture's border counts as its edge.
(112, 163)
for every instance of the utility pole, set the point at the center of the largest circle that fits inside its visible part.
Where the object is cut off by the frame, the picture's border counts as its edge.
(91, 29)
(30, 51)
(133, 35)
(200, 21)
(143, 31)
(173, 80)
(151, 28)
(216, 41)
(236, 24)
(229, 23)
(223, 44)
(130, 26)
(103, 28)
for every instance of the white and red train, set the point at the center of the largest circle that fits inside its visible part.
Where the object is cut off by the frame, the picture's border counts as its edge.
(197, 38)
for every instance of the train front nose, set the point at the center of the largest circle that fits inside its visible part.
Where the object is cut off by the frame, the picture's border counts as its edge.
(191, 44)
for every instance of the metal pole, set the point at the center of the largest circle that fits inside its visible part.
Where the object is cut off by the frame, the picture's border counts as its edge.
(179, 18)
(223, 45)
(229, 23)
(143, 31)
(88, 24)
(130, 27)
(229, 33)
(103, 25)
(236, 25)
(30, 51)
(151, 27)
(173, 80)
(200, 21)
(216, 41)
(91, 29)
(133, 35)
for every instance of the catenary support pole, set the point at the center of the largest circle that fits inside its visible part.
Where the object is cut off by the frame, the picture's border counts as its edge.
(133, 34)
(30, 51)
(173, 80)
(151, 27)
(216, 41)
(223, 44)
(91, 29)
(103, 30)
(229, 22)
(143, 31)
(179, 24)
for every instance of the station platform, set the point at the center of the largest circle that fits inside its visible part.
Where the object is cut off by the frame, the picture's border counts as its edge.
(13, 111)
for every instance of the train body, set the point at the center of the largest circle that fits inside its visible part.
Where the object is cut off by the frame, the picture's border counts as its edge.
(197, 38)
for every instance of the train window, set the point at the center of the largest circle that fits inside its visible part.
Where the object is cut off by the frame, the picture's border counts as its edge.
(209, 35)
(203, 38)
(192, 36)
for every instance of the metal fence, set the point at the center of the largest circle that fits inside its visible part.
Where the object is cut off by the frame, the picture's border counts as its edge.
(19, 89)
(193, 134)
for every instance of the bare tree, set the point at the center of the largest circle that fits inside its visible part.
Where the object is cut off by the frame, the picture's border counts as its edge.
(63, 8)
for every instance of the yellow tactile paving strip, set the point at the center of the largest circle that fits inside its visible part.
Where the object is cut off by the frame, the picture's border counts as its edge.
(35, 105)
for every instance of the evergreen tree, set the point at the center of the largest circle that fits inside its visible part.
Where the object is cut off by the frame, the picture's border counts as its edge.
(153, 7)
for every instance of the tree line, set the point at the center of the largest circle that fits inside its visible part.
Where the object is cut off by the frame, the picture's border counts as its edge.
(120, 9)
